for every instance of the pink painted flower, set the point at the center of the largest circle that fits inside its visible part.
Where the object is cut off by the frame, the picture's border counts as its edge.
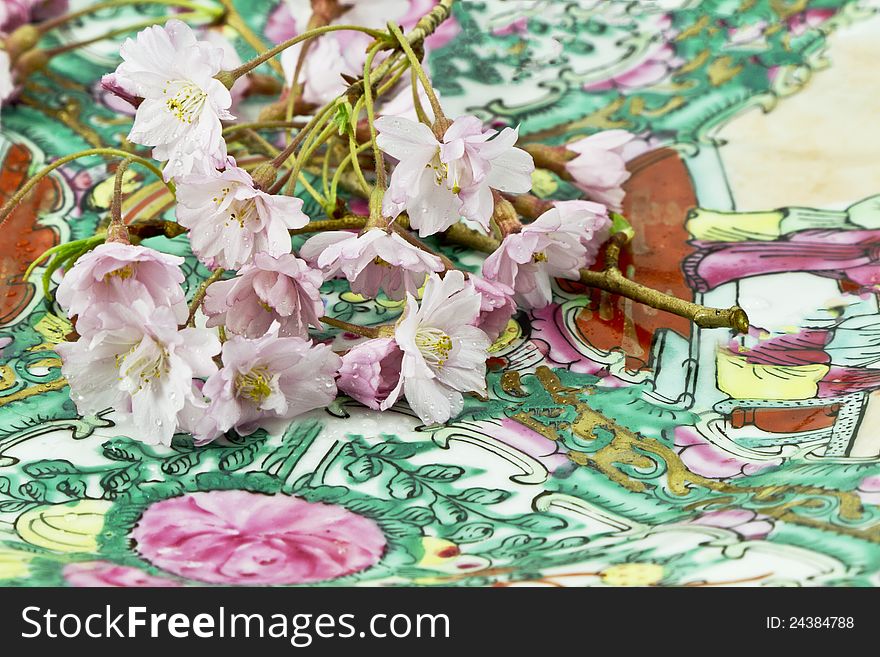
(496, 305)
(239, 537)
(651, 69)
(266, 382)
(553, 246)
(230, 220)
(748, 524)
(438, 183)
(133, 358)
(371, 371)
(115, 272)
(444, 354)
(94, 574)
(183, 104)
(375, 260)
(600, 168)
(283, 289)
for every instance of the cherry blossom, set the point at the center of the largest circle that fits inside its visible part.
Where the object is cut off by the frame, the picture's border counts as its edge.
(230, 220)
(283, 289)
(437, 183)
(551, 247)
(370, 372)
(118, 273)
(375, 260)
(496, 305)
(133, 358)
(600, 168)
(444, 355)
(7, 86)
(183, 103)
(266, 382)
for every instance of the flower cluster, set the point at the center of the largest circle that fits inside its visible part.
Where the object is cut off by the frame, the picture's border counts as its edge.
(249, 349)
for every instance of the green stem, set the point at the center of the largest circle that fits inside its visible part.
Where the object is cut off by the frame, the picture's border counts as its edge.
(59, 50)
(364, 331)
(351, 158)
(416, 65)
(263, 125)
(310, 34)
(308, 148)
(417, 102)
(116, 202)
(112, 4)
(237, 23)
(381, 181)
(10, 205)
(200, 295)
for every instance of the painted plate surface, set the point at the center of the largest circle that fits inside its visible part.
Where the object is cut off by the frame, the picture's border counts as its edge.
(619, 446)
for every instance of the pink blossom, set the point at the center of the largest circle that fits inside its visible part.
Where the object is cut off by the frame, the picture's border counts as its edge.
(374, 260)
(496, 305)
(551, 247)
(444, 354)
(266, 382)
(596, 229)
(239, 537)
(15, 13)
(371, 371)
(230, 220)
(94, 574)
(117, 90)
(183, 103)
(115, 272)
(328, 58)
(133, 358)
(437, 183)
(283, 289)
(600, 168)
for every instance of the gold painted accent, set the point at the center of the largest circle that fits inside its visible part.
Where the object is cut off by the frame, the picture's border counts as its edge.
(692, 65)
(7, 377)
(694, 29)
(54, 328)
(721, 70)
(58, 384)
(631, 449)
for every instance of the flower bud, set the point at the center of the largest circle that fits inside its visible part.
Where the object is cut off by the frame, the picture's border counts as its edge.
(30, 62)
(21, 40)
(264, 176)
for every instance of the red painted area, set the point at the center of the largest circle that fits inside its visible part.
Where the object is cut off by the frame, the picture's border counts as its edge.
(659, 196)
(22, 239)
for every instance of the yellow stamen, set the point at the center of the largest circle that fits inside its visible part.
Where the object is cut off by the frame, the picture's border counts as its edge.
(434, 344)
(255, 385)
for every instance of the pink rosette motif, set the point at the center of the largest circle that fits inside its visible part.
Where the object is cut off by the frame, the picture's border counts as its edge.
(239, 537)
(102, 574)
